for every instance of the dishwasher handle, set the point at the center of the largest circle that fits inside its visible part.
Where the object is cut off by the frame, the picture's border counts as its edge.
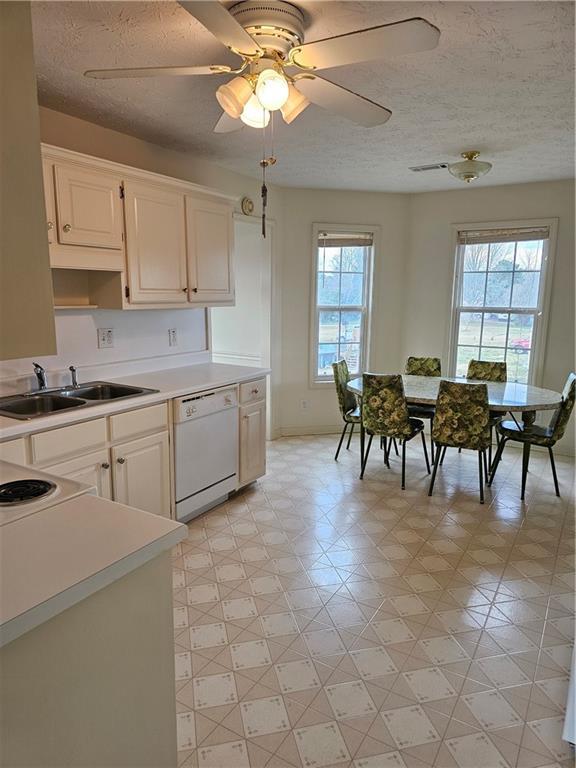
(197, 405)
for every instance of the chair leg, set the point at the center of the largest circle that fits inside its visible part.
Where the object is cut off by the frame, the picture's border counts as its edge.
(436, 462)
(496, 462)
(395, 446)
(350, 436)
(403, 464)
(362, 441)
(525, 462)
(490, 447)
(486, 465)
(431, 442)
(387, 446)
(365, 457)
(341, 441)
(481, 459)
(443, 452)
(554, 475)
(425, 451)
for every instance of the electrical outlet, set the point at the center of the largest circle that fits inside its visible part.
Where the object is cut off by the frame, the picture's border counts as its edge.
(172, 337)
(304, 405)
(105, 338)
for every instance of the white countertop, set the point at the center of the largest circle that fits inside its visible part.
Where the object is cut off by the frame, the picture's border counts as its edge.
(172, 382)
(58, 556)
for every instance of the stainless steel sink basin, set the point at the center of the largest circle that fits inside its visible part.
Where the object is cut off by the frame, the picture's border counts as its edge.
(31, 406)
(102, 390)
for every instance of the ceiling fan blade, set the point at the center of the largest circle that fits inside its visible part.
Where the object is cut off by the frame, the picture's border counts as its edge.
(341, 101)
(105, 74)
(216, 19)
(228, 124)
(408, 36)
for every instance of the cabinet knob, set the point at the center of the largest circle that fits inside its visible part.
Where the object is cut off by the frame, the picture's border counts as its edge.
(255, 391)
(50, 225)
(184, 290)
(66, 228)
(194, 290)
(105, 465)
(121, 460)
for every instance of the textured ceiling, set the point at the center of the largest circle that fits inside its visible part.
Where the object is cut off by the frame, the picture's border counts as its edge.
(501, 81)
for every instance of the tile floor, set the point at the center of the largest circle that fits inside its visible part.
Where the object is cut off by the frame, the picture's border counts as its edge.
(325, 621)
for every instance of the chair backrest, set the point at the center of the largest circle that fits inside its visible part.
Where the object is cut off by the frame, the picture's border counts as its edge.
(462, 417)
(384, 409)
(562, 415)
(424, 366)
(487, 370)
(346, 399)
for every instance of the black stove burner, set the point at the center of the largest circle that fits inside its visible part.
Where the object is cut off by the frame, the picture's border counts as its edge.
(19, 491)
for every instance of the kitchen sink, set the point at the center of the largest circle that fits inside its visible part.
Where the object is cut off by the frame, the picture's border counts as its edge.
(101, 390)
(32, 405)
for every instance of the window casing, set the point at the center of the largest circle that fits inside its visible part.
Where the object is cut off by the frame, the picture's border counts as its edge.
(501, 289)
(341, 301)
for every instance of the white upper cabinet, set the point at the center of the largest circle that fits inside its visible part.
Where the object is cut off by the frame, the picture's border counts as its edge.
(210, 243)
(89, 207)
(155, 243)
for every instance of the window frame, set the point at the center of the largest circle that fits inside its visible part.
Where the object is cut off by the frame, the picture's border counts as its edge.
(316, 381)
(540, 313)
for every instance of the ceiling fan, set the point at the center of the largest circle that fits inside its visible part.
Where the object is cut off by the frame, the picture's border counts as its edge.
(278, 69)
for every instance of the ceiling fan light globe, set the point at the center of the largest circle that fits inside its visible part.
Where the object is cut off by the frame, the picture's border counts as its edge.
(272, 89)
(295, 104)
(254, 114)
(234, 95)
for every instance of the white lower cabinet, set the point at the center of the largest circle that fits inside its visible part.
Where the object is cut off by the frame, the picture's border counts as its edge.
(252, 442)
(92, 469)
(141, 473)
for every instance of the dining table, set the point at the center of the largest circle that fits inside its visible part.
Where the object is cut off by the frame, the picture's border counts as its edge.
(506, 397)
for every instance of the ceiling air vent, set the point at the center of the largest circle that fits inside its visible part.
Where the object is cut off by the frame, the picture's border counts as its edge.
(432, 167)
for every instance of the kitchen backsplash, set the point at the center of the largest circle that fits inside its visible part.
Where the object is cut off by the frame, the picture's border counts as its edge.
(141, 342)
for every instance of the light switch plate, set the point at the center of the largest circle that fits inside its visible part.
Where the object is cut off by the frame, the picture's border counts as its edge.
(105, 338)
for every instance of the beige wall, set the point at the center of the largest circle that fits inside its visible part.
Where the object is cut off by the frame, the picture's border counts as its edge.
(431, 266)
(24, 262)
(303, 208)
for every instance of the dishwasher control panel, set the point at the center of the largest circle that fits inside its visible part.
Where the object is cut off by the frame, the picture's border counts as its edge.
(204, 403)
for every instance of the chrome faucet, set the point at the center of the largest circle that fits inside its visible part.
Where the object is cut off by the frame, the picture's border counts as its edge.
(40, 375)
(72, 369)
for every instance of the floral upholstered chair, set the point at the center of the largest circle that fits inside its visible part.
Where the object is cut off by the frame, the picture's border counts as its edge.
(423, 366)
(385, 413)
(489, 370)
(546, 437)
(462, 420)
(349, 409)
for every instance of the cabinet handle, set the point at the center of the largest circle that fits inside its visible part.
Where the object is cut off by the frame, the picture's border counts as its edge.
(66, 228)
(105, 465)
(121, 460)
(194, 290)
(255, 391)
(184, 290)
(50, 225)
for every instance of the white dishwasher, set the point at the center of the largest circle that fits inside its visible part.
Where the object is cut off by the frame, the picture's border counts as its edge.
(205, 449)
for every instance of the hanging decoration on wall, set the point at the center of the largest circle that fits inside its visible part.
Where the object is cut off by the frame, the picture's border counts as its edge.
(247, 206)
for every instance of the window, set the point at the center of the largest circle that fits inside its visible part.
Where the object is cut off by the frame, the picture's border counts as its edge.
(499, 298)
(342, 285)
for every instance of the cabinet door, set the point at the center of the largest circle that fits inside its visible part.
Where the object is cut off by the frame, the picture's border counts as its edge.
(89, 207)
(48, 179)
(210, 243)
(92, 469)
(141, 474)
(252, 442)
(13, 451)
(155, 244)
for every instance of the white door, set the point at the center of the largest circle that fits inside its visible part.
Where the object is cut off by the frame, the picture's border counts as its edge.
(210, 243)
(155, 244)
(89, 207)
(141, 474)
(241, 335)
(92, 469)
(252, 442)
